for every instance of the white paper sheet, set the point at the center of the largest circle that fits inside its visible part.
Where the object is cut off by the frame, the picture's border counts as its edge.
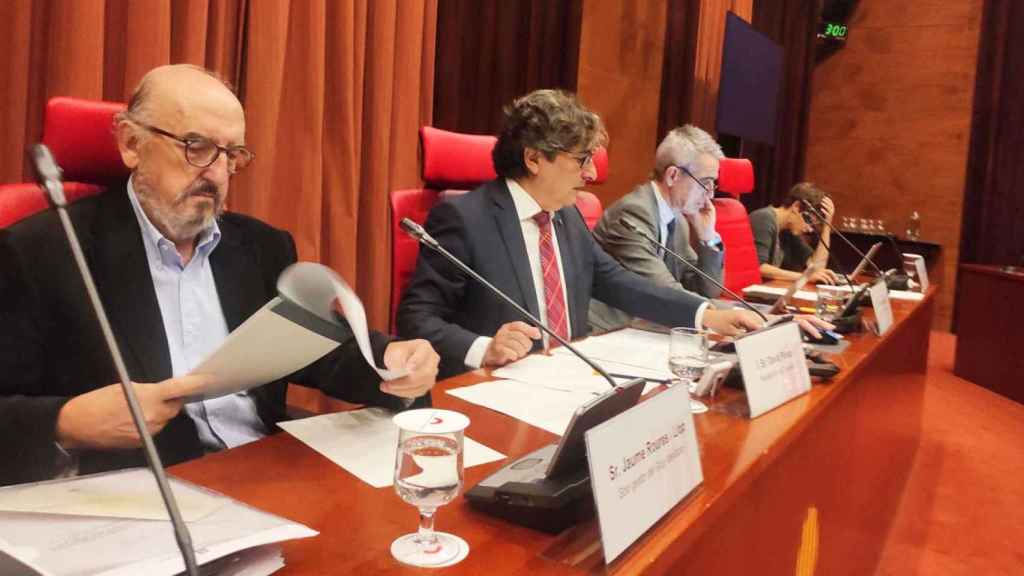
(131, 494)
(363, 442)
(273, 343)
(813, 296)
(543, 407)
(631, 351)
(266, 347)
(315, 287)
(61, 545)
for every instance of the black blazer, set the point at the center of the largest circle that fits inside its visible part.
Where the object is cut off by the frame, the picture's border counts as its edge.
(51, 347)
(444, 306)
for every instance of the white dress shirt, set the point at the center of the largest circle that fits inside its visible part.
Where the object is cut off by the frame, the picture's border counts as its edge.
(526, 209)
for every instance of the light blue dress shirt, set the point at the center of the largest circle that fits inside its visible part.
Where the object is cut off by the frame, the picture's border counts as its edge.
(195, 327)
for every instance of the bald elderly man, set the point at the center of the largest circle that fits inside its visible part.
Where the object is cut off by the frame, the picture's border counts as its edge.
(176, 274)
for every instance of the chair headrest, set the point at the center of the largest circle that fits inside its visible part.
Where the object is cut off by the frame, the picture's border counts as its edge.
(462, 161)
(735, 176)
(80, 133)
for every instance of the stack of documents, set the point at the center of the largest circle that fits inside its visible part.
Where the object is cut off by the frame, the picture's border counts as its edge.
(115, 524)
(545, 390)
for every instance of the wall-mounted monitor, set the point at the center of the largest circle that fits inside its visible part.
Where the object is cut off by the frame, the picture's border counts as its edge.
(750, 80)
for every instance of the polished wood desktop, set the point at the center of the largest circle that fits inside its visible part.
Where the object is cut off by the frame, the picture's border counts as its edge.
(815, 481)
(989, 337)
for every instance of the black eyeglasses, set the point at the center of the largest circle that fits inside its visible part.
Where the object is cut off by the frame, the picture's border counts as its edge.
(583, 159)
(202, 152)
(708, 184)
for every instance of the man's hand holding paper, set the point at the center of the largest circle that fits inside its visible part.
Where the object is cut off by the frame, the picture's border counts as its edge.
(100, 419)
(418, 360)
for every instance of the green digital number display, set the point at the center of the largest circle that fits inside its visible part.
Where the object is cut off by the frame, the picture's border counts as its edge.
(832, 31)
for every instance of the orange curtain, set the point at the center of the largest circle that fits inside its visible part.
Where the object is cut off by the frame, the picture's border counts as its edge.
(334, 93)
(707, 68)
(99, 49)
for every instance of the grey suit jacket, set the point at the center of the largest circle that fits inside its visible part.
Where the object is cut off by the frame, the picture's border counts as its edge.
(638, 255)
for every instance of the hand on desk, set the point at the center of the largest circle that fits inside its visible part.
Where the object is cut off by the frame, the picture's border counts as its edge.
(812, 324)
(731, 322)
(420, 359)
(824, 276)
(512, 341)
(100, 419)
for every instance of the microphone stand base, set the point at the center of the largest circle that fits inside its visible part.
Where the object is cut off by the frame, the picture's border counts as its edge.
(848, 324)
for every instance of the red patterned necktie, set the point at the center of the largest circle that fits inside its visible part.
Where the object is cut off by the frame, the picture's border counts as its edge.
(553, 297)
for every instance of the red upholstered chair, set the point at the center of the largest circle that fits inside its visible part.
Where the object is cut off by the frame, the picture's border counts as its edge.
(80, 135)
(454, 163)
(741, 268)
(735, 176)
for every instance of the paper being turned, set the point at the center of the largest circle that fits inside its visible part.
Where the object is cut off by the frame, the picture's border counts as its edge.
(293, 330)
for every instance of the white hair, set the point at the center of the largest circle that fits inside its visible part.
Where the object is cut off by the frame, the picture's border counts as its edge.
(682, 146)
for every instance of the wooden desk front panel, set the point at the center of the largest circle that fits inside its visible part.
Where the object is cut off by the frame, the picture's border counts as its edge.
(989, 335)
(844, 449)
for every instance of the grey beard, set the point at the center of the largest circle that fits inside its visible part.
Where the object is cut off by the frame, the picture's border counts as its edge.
(174, 226)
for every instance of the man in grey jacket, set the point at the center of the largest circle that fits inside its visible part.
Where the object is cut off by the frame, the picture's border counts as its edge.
(674, 207)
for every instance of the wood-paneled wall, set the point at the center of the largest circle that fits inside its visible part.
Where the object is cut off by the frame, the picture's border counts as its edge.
(890, 120)
(619, 77)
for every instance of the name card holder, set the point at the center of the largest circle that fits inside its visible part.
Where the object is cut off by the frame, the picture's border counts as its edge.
(883, 307)
(773, 367)
(642, 463)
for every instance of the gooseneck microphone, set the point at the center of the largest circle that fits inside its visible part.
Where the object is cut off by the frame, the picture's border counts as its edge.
(50, 178)
(423, 237)
(842, 236)
(633, 228)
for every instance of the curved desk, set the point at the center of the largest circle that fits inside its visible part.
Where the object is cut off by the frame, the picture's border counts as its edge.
(813, 483)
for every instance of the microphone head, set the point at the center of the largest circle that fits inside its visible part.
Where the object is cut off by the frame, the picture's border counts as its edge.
(46, 167)
(48, 173)
(411, 228)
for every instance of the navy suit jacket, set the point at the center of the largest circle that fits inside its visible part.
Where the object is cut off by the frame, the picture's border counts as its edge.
(51, 347)
(481, 228)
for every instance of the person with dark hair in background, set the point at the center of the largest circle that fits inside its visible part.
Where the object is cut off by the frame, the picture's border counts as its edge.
(779, 233)
(523, 233)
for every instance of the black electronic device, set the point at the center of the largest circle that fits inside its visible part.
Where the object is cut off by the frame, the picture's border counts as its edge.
(49, 175)
(546, 488)
(826, 337)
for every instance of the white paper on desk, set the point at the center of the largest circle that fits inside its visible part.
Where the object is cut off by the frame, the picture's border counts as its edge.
(131, 494)
(363, 442)
(315, 287)
(61, 545)
(630, 351)
(537, 405)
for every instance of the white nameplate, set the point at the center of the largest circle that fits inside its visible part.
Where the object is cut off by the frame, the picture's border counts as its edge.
(922, 270)
(882, 306)
(642, 463)
(773, 367)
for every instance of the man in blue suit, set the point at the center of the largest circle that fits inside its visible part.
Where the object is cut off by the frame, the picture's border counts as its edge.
(524, 234)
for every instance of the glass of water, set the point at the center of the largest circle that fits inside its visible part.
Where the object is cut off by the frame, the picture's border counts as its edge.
(688, 359)
(428, 474)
